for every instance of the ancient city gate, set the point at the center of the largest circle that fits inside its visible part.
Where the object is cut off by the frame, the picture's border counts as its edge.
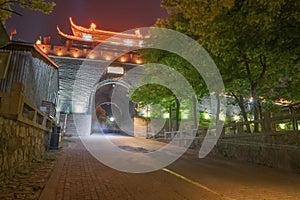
(90, 67)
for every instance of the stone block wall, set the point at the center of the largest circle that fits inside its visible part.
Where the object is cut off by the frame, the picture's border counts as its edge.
(19, 144)
(280, 151)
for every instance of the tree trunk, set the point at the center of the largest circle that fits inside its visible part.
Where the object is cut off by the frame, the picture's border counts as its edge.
(255, 108)
(240, 100)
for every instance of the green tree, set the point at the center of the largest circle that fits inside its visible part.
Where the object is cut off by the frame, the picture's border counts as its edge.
(158, 94)
(254, 43)
(40, 5)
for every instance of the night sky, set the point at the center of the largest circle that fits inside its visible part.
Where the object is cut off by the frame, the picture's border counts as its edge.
(114, 15)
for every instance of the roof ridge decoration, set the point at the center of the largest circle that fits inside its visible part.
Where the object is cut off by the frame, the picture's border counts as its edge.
(93, 29)
(93, 36)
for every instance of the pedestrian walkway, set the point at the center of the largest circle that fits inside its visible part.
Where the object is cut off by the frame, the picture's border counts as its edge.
(78, 175)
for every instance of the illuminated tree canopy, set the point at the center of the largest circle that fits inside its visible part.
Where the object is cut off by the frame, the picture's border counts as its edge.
(255, 44)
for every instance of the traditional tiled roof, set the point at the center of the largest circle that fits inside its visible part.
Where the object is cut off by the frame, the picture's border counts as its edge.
(92, 35)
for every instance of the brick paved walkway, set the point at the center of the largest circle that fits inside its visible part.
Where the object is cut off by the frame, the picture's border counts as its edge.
(78, 175)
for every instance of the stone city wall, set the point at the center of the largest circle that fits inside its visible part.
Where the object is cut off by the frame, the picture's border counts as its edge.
(20, 143)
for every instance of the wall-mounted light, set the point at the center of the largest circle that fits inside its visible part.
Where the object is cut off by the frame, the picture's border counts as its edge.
(115, 70)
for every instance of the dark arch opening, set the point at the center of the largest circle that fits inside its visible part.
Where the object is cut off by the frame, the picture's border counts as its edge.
(103, 121)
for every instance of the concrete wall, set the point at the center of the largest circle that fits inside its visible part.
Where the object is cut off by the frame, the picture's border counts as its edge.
(20, 143)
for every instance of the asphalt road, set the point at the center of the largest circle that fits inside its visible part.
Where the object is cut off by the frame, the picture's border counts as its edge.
(78, 175)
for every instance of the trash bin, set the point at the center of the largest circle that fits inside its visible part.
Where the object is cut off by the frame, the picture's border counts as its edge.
(54, 138)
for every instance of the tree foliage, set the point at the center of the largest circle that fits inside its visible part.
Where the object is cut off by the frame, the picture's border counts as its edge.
(256, 44)
(6, 9)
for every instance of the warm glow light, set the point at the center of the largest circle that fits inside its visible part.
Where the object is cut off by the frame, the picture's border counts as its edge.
(93, 26)
(59, 50)
(38, 42)
(138, 61)
(75, 55)
(284, 101)
(44, 48)
(91, 56)
(123, 59)
(107, 58)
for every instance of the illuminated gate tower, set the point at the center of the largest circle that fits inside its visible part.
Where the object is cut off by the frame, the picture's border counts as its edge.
(77, 53)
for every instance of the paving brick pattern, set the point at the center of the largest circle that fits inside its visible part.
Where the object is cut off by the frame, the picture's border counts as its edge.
(78, 175)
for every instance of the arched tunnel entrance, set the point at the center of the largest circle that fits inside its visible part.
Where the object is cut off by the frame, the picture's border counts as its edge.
(109, 115)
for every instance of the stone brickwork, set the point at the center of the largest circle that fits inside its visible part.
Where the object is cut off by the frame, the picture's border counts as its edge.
(20, 143)
(273, 150)
(281, 150)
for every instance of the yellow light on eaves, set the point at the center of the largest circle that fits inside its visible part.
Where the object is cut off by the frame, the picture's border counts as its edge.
(38, 42)
(75, 55)
(123, 59)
